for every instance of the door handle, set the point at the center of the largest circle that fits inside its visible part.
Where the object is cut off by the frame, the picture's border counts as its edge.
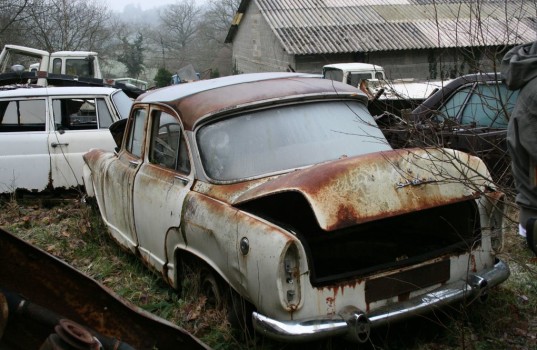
(182, 180)
(133, 163)
(56, 144)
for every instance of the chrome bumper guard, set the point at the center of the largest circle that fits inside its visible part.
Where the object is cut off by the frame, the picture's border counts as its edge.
(356, 325)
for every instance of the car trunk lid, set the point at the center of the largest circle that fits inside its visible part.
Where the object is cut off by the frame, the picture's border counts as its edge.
(357, 190)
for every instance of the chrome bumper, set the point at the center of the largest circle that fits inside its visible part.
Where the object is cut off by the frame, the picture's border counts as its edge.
(353, 323)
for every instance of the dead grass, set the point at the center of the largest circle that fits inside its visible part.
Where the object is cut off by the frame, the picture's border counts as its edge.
(74, 232)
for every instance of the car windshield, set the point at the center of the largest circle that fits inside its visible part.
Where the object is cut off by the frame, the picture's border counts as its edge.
(263, 142)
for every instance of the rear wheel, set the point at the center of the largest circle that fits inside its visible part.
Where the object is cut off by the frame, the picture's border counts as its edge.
(212, 288)
(197, 278)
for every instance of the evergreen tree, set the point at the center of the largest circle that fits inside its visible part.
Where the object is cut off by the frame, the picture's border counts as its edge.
(163, 77)
(133, 57)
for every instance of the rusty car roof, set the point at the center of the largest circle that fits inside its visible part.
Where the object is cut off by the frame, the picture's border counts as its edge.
(197, 100)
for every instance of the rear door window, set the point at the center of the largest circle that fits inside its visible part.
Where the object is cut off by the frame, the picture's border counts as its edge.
(23, 115)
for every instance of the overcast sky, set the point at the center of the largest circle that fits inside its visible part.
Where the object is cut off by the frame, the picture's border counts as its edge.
(119, 5)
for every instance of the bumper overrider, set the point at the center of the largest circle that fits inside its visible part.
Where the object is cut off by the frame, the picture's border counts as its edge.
(356, 325)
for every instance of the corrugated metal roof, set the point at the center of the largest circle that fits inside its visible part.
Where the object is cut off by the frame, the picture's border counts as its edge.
(339, 26)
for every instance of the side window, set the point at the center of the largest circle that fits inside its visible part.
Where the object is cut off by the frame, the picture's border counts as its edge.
(136, 133)
(105, 118)
(183, 164)
(23, 115)
(168, 146)
(333, 74)
(452, 107)
(57, 66)
(488, 106)
(74, 114)
(354, 79)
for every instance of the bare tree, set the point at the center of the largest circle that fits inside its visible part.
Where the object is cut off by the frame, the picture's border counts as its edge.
(69, 24)
(218, 18)
(12, 13)
(181, 21)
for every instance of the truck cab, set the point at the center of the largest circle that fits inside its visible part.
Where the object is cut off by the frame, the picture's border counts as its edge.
(75, 63)
(353, 73)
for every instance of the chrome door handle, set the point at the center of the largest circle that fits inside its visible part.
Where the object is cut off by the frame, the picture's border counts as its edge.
(56, 144)
(134, 163)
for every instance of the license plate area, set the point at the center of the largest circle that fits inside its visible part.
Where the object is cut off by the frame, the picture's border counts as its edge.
(401, 284)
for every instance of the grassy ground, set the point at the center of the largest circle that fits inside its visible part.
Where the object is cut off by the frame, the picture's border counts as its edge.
(74, 232)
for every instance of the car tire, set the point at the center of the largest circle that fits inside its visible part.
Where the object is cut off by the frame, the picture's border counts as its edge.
(213, 289)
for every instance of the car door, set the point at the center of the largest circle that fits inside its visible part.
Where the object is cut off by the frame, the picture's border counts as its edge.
(24, 157)
(115, 197)
(80, 123)
(161, 185)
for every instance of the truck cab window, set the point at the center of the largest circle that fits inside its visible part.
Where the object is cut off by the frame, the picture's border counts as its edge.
(57, 66)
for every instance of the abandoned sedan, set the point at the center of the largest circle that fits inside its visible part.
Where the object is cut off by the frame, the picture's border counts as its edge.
(283, 187)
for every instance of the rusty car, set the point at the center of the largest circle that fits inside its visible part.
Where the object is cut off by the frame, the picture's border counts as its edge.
(469, 113)
(283, 193)
(44, 131)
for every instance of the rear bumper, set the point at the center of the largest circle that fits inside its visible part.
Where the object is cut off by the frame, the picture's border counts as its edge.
(356, 325)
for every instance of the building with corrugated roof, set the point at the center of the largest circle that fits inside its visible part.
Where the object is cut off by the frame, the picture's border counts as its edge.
(423, 39)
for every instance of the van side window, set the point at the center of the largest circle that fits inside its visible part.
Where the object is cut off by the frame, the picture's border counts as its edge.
(23, 115)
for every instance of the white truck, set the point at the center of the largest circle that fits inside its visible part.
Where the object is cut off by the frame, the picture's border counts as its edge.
(15, 58)
(384, 95)
(353, 73)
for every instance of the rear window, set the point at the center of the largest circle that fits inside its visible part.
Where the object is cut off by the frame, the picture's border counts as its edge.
(78, 67)
(23, 115)
(261, 142)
